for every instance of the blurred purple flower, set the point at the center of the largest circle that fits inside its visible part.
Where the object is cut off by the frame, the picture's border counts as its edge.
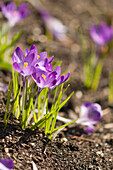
(101, 34)
(54, 26)
(24, 65)
(49, 79)
(6, 164)
(91, 114)
(14, 14)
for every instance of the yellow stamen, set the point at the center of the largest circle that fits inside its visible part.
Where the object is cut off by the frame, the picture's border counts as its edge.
(15, 13)
(25, 65)
(38, 57)
(43, 76)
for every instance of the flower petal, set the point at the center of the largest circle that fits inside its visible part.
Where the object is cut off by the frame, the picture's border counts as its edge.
(89, 129)
(91, 113)
(17, 67)
(7, 163)
(18, 55)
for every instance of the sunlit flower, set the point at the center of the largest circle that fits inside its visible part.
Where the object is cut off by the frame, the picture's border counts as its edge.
(24, 64)
(14, 14)
(54, 26)
(27, 65)
(6, 164)
(49, 79)
(101, 34)
(91, 114)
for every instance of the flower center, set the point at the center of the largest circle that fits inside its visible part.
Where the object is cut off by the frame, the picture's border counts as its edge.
(43, 76)
(25, 64)
(38, 57)
(15, 13)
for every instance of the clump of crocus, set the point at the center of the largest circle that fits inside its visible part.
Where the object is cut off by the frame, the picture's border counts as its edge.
(91, 114)
(93, 64)
(31, 95)
(6, 164)
(14, 14)
(101, 34)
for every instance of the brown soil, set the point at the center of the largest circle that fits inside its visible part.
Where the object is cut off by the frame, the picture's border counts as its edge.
(72, 148)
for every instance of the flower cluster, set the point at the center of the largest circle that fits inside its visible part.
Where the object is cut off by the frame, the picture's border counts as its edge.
(39, 67)
(14, 14)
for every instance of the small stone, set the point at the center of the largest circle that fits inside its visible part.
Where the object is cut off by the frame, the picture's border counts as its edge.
(6, 150)
(64, 140)
(100, 153)
(79, 94)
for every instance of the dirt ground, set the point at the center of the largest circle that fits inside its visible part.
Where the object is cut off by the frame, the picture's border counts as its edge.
(72, 148)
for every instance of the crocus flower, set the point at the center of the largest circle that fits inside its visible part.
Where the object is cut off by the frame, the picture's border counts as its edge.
(6, 164)
(14, 14)
(24, 65)
(91, 114)
(40, 60)
(101, 34)
(49, 79)
(53, 25)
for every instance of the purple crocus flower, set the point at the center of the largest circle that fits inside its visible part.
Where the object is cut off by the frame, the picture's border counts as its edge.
(101, 34)
(91, 114)
(32, 61)
(53, 25)
(24, 65)
(14, 14)
(49, 79)
(6, 164)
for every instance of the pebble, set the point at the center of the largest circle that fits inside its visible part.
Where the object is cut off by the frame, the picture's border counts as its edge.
(6, 150)
(79, 94)
(100, 153)
(64, 140)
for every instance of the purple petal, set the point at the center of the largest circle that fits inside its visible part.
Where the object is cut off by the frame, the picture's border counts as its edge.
(58, 70)
(101, 34)
(11, 6)
(23, 10)
(89, 129)
(49, 67)
(18, 55)
(43, 55)
(50, 59)
(16, 67)
(8, 163)
(40, 82)
(30, 57)
(33, 47)
(65, 77)
(91, 113)
(26, 52)
(27, 71)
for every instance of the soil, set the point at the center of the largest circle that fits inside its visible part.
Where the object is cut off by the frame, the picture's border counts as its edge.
(72, 148)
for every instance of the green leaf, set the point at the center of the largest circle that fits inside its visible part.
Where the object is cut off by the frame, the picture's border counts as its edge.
(5, 65)
(8, 101)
